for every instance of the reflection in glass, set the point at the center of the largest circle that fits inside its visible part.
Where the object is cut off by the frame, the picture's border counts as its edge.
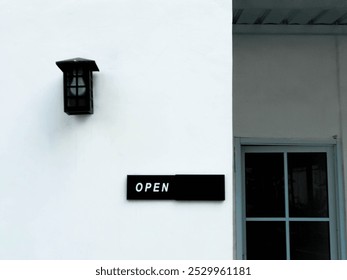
(309, 241)
(308, 194)
(264, 184)
(266, 240)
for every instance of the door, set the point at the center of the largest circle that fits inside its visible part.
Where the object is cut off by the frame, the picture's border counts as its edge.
(288, 203)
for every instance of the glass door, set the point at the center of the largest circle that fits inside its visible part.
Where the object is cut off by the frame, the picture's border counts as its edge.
(288, 203)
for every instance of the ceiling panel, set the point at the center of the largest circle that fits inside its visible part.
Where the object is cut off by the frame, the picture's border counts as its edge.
(290, 4)
(343, 19)
(250, 16)
(290, 12)
(331, 16)
(277, 16)
(305, 16)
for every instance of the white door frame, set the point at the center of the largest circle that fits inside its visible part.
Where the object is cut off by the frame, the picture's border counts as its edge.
(337, 194)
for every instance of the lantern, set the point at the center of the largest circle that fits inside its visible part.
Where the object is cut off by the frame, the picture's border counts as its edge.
(78, 85)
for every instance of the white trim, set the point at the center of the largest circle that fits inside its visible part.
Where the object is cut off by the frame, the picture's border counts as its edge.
(303, 219)
(268, 29)
(286, 141)
(286, 203)
(238, 205)
(340, 202)
(333, 206)
(289, 4)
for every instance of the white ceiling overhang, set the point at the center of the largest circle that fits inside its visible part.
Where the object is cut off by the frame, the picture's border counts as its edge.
(290, 16)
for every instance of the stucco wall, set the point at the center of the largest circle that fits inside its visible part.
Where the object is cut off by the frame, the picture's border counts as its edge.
(162, 105)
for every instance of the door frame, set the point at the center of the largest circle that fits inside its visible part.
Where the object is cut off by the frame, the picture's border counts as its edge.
(338, 188)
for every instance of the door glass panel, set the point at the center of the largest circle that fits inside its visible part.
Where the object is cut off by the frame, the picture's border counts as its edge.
(264, 184)
(287, 204)
(308, 190)
(266, 240)
(309, 241)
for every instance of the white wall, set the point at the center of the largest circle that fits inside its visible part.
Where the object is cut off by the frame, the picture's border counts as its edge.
(162, 105)
(286, 86)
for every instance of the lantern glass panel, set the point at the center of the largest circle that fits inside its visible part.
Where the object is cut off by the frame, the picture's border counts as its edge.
(72, 82)
(76, 83)
(80, 81)
(72, 91)
(81, 91)
(71, 102)
(82, 102)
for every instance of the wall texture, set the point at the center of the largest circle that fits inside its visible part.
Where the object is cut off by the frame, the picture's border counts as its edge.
(162, 105)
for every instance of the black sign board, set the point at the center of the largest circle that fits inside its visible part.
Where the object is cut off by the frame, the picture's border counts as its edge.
(177, 187)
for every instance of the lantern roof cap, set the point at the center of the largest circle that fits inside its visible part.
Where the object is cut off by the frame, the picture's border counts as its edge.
(72, 63)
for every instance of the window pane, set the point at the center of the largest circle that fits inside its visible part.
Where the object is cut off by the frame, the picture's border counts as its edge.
(309, 241)
(266, 240)
(308, 194)
(264, 184)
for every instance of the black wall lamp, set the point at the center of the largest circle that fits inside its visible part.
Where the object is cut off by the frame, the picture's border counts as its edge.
(78, 85)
